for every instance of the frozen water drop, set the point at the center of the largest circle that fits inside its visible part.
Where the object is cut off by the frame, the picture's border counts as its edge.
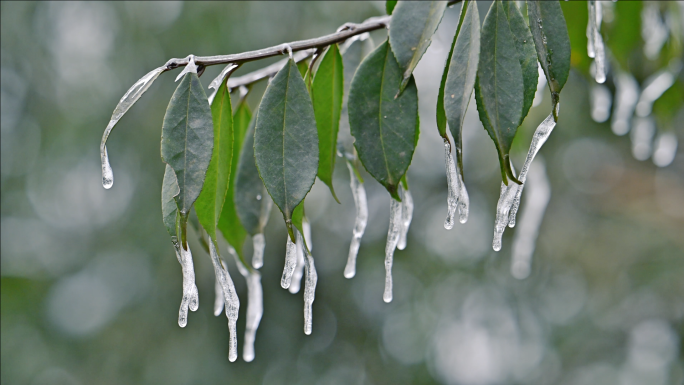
(107, 173)
(359, 193)
(258, 197)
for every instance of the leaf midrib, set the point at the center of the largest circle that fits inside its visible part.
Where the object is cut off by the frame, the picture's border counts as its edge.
(382, 141)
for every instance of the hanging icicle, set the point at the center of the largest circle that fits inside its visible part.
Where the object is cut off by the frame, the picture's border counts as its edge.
(359, 193)
(595, 47)
(392, 240)
(190, 294)
(231, 300)
(255, 304)
(457, 195)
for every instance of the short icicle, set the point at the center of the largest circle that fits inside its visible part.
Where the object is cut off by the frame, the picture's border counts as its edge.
(232, 302)
(538, 195)
(509, 199)
(190, 298)
(255, 305)
(361, 203)
(125, 103)
(259, 244)
(299, 270)
(290, 263)
(310, 281)
(457, 195)
(392, 240)
(406, 216)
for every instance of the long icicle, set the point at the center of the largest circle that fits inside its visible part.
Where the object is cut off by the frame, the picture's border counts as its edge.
(538, 195)
(190, 298)
(392, 240)
(232, 302)
(255, 305)
(361, 203)
(309, 291)
(595, 46)
(509, 199)
(406, 217)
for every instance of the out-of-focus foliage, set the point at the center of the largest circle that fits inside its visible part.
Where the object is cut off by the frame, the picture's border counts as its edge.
(90, 283)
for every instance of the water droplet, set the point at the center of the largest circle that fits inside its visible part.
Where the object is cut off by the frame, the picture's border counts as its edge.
(258, 197)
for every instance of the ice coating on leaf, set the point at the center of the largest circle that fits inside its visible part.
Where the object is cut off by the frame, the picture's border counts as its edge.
(595, 47)
(218, 298)
(190, 294)
(299, 269)
(457, 195)
(190, 68)
(656, 85)
(541, 84)
(125, 103)
(310, 280)
(665, 149)
(290, 263)
(255, 305)
(231, 300)
(538, 195)
(509, 199)
(626, 96)
(259, 244)
(216, 83)
(406, 216)
(392, 240)
(361, 203)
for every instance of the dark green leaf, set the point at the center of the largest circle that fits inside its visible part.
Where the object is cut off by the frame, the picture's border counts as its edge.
(385, 127)
(286, 141)
(210, 201)
(411, 28)
(327, 101)
(461, 75)
(169, 208)
(389, 6)
(188, 139)
(550, 35)
(499, 85)
(249, 189)
(303, 67)
(229, 222)
(527, 52)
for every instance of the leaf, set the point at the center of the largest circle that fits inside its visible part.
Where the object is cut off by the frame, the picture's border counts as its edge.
(411, 28)
(327, 94)
(460, 80)
(385, 127)
(169, 208)
(298, 218)
(550, 35)
(188, 139)
(285, 141)
(249, 189)
(499, 85)
(528, 55)
(389, 6)
(229, 222)
(210, 201)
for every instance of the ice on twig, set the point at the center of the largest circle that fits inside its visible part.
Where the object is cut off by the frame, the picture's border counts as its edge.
(125, 103)
(190, 298)
(665, 149)
(299, 269)
(290, 263)
(255, 305)
(391, 245)
(310, 281)
(190, 68)
(231, 300)
(538, 195)
(359, 193)
(457, 195)
(406, 216)
(626, 96)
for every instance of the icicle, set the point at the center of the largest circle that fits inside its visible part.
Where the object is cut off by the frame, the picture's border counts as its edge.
(218, 298)
(509, 199)
(601, 99)
(541, 85)
(595, 48)
(463, 201)
(309, 292)
(406, 216)
(232, 302)
(627, 94)
(259, 243)
(290, 263)
(642, 138)
(452, 185)
(591, 52)
(359, 193)
(299, 270)
(190, 298)
(538, 195)
(392, 240)
(190, 68)
(665, 149)
(255, 305)
(656, 85)
(125, 103)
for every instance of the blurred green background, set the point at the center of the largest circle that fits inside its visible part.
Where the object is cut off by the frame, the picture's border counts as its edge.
(91, 287)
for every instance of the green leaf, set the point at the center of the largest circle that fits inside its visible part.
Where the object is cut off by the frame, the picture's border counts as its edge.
(499, 85)
(169, 208)
(528, 55)
(286, 141)
(298, 218)
(411, 28)
(229, 222)
(210, 201)
(303, 67)
(327, 94)
(188, 139)
(550, 35)
(460, 80)
(249, 189)
(389, 6)
(385, 127)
